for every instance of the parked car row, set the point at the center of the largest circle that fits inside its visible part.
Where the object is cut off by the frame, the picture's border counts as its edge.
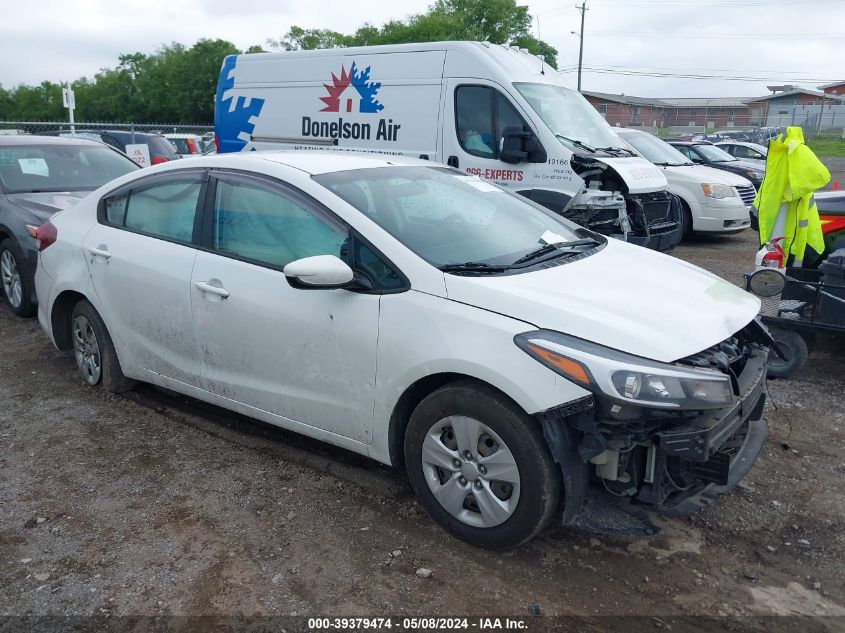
(758, 136)
(702, 153)
(159, 149)
(39, 176)
(191, 144)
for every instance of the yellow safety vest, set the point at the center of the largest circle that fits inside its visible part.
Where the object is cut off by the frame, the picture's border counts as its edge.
(793, 173)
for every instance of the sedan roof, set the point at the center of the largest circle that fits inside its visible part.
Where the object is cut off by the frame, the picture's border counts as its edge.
(29, 139)
(743, 143)
(322, 162)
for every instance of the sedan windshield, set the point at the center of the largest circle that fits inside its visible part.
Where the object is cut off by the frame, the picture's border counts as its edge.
(657, 151)
(713, 153)
(570, 116)
(37, 168)
(453, 220)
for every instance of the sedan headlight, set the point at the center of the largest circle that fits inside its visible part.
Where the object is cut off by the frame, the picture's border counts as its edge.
(718, 191)
(755, 176)
(625, 377)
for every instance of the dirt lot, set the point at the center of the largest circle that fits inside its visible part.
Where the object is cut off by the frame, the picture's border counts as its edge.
(836, 166)
(152, 504)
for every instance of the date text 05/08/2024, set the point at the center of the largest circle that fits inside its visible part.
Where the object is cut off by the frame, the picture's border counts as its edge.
(418, 624)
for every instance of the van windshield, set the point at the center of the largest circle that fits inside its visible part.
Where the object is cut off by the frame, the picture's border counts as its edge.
(454, 220)
(570, 116)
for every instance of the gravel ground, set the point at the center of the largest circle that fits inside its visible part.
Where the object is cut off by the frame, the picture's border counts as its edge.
(836, 166)
(154, 504)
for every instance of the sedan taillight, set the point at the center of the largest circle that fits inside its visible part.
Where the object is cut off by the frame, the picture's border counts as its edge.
(158, 160)
(46, 235)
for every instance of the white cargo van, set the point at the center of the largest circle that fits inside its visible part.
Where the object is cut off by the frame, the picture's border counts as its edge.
(490, 110)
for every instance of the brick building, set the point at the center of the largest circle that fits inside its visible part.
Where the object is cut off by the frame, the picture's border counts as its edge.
(836, 88)
(663, 112)
(626, 110)
(714, 112)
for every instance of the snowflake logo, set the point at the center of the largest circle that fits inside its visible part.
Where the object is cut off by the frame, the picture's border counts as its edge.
(360, 80)
(235, 116)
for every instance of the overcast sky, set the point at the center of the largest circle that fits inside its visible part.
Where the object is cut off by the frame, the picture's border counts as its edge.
(60, 40)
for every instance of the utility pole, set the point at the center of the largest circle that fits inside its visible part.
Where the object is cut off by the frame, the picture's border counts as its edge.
(583, 9)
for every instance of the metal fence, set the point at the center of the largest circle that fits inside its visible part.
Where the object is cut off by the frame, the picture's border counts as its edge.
(132, 138)
(63, 127)
(815, 119)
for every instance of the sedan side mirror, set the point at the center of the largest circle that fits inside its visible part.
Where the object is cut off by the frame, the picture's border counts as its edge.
(320, 271)
(519, 144)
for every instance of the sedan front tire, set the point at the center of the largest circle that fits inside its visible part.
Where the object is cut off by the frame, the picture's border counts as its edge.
(480, 466)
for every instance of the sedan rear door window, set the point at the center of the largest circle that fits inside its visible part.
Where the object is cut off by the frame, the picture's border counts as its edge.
(166, 209)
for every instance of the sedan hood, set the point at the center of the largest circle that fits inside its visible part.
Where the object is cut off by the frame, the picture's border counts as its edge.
(744, 164)
(43, 205)
(624, 297)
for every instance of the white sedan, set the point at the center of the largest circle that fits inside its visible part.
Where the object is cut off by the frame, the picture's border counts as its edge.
(423, 317)
(746, 151)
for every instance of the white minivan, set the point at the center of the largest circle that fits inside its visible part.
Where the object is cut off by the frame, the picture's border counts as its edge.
(713, 200)
(492, 111)
(424, 317)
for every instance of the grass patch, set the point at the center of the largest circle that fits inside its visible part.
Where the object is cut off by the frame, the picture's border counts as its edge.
(827, 146)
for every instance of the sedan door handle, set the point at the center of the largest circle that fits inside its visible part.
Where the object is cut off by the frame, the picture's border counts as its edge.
(100, 251)
(207, 288)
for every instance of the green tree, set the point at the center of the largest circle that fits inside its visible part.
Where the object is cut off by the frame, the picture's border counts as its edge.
(298, 38)
(496, 21)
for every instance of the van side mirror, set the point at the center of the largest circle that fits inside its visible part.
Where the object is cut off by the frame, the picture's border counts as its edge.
(520, 145)
(320, 271)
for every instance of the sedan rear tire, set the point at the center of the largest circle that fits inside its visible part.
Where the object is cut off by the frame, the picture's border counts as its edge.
(93, 350)
(480, 466)
(15, 284)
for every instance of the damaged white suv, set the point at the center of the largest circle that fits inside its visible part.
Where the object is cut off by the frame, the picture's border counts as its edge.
(504, 356)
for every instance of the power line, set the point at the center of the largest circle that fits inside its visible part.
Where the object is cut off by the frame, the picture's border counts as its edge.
(720, 36)
(647, 73)
(696, 4)
(779, 73)
(714, 3)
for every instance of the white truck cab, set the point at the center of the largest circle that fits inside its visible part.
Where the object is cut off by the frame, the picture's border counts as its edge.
(489, 110)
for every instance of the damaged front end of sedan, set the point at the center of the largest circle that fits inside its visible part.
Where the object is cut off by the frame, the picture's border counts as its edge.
(669, 436)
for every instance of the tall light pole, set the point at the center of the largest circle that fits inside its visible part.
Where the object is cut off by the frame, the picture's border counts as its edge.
(583, 9)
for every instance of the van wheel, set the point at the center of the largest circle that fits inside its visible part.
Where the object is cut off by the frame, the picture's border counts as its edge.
(794, 347)
(94, 351)
(686, 220)
(480, 466)
(14, 282)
